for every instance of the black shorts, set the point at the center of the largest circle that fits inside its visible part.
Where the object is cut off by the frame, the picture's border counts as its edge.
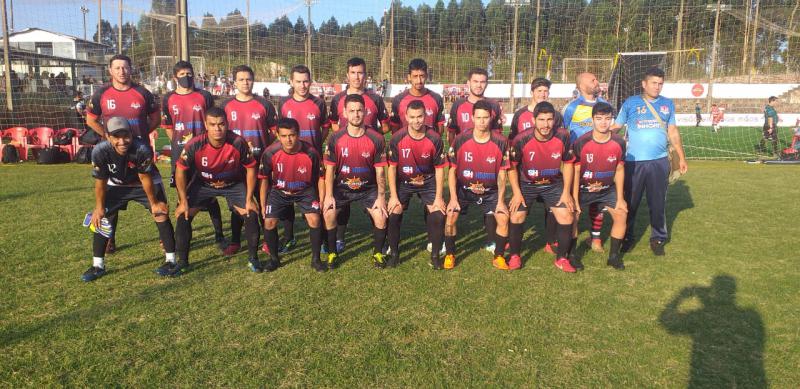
(606, 198)
(487, 202)
(280, 204)
(549, 195)
(200, 196)
(117, 197)
(365, 197)
(426, 193)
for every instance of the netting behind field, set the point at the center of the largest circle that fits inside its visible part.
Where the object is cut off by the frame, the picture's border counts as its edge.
(755, 40)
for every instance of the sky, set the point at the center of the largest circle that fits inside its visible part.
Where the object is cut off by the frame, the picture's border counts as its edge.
(65, 16)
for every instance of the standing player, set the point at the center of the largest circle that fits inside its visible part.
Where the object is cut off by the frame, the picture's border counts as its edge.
(578, 120)
(650, 128)
(182, 118)
(770, 131)
(416, 167)
(375, 117)
(289, 173)
(461, 110)
(221, 164)
(599, 177)
(477, 176)
(542, 169)
(124, 171)
(311, 114)
(434, 106)
(716, 117)
(253, 118)
(121, 97)
(354, 161)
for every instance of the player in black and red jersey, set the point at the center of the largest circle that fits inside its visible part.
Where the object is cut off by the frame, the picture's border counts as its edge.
(354, 162)
(218, 163)
(542, 169)
(124, 171)
(122, 97)
(478, 175)
(600, 175)
(182, 112)
(311, 114)
(289, 173)
(253, 118)
(434, 105)
(461, 110)
(375, 117)
(416, 167)
(523, 120)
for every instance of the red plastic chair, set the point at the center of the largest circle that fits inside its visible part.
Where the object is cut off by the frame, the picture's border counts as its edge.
(19, 138)
(40, 138)
(72, 148)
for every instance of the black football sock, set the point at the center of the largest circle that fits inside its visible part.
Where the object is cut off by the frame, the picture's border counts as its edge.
(435, 225)
(550, 224)
(500, 245)
(99, 243)
(183, 238)
(251, 231)
(393, 232)
(450, 244)
(616, 245)
(112, 220)
(271, 237)
(236, 228)
(490, 226)
(316, 241)
(342, 220)
(288, 227)
(515, 238)
(564, 236)
(215, 214)
(596, 220)
(167, 235)
(378, 239)
(331, 240)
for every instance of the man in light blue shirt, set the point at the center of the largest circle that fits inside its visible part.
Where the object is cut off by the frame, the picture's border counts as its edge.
(650, 128)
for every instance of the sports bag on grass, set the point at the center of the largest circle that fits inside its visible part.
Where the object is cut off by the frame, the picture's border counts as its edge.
(52, 155)
(84, 154)
(10, 154)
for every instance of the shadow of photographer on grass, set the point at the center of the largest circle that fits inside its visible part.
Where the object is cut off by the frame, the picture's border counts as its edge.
(727, 340)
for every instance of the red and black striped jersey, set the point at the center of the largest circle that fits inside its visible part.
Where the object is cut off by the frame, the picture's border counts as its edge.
(374, 111)
(416, 159)
(185, 114)
(461, 116)
(478, 164)
(253, 120)
(434, 108)
(355, 159)
(290, 172)
(598, 161)
(124, 170)
(312, 116)
(539, 162)
(135, 104)
(523, 120)
(217, 167)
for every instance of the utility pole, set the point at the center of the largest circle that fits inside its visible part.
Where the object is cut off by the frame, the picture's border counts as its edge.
(676, 62)
(745, 50)
(182, 30)
(717, 11)
(536, 39)
(119, 28)
(84, 10)
(11, 9)
(6, 58)
(100, 21)
(247, 34)
(516, 4)
(309, 3)
(753, 43)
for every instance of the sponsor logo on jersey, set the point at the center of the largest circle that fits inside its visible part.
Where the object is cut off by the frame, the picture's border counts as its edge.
(280, 184)
(612, 158)
(425, 155)
(315, 204)
(131, 164)
(595, 186)
(366, 154)
(664, 109)
(197, 108)
(302, 170)
(533, 173)
(590, 158)
(354, 183)
(418, 180)
(311, 117)
(588, 174)
(468, 173)
(555, 155)
(255, 116)
(491, 159)
(135, 105)
(428, 112)
(408, 169)
(477, 188)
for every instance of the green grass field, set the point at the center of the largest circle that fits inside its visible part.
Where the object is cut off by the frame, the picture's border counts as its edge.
(720, 310)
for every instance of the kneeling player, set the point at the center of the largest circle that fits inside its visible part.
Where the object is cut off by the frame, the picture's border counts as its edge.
(123, 170)
(416, 167)
(542, 170)
(478, 165)
(354, 161)
(216, 163)
(599, 176)
(289, 172)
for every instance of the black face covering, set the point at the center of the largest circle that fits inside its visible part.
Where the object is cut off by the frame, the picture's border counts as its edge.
(186, 81)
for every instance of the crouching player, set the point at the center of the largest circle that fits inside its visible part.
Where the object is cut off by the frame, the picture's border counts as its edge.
(416, 167)
(123, 170)
(217, 163)
(542, 170)
(599, 176)
(478, 165)
(289, 172)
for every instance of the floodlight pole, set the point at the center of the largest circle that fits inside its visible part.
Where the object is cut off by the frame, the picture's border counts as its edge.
(100, 21)
(516, 4)
(309, 3)
(119, 28)
(182, 29)
(536, 39)
(7, 59)
(717, 11)
(84, 10)
(247, 34)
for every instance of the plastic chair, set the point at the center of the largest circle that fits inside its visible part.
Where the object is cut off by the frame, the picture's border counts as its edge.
(40, 138)
(71, 148)
(19, 138)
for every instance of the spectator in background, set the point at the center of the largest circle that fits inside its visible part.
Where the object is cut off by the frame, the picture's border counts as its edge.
(698, 114)
(716, 117)
(80, 108)
(265, 93)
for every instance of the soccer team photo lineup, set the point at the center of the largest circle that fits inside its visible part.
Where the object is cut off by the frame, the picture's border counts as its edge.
(325, 160)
